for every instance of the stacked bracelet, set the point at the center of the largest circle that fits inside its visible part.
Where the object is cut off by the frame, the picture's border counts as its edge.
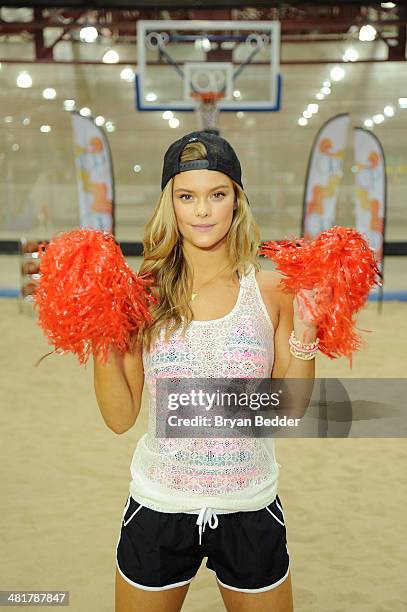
(302, 350)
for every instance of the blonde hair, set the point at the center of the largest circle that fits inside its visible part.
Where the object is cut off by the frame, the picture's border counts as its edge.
(166, 260)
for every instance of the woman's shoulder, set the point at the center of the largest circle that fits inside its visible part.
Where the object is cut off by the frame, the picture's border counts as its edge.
(269, 284)
(275, 299)
(269, 280)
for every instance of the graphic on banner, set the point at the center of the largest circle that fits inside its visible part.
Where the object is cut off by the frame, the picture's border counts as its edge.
(325, 170)
(94, 175)
(370, 189)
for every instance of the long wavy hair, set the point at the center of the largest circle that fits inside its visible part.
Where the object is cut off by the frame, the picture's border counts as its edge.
(169, 265)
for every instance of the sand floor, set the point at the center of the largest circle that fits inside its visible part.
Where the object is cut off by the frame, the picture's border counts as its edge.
(65, 475)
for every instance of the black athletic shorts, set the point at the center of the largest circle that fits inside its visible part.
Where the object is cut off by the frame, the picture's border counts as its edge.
(246, 550)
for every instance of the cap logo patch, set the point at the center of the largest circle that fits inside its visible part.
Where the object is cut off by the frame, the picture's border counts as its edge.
(195, 164)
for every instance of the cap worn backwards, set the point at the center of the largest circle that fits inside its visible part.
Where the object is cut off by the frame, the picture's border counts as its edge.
(220, 156)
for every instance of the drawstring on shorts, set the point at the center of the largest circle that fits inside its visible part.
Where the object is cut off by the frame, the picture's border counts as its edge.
(206, 516)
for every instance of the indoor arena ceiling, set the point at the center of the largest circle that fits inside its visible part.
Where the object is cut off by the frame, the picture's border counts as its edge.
(185, 3)
(300, 22)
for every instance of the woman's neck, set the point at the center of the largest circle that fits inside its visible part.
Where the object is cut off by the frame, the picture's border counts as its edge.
(207, 263)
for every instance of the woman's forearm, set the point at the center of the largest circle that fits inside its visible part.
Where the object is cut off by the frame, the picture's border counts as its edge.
(300, 368)
(113, 394)
(299, 391)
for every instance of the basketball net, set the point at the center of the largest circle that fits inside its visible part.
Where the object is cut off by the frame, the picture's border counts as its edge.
(208, 109)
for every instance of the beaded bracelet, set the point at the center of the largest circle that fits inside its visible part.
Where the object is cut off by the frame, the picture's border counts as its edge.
(301, 355)
(302, 345)
(302, 350)
(310, 350)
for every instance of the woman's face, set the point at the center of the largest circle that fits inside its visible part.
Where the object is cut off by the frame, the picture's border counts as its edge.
(203, 197)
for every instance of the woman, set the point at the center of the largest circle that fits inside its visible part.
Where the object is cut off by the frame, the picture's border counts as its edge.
(218, 316)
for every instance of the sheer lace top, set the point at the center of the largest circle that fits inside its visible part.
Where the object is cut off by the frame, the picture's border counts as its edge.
(174, 474)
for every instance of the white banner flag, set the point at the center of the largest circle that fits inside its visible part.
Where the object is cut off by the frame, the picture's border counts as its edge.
(94, 174)
(325, 170)
(370, 190)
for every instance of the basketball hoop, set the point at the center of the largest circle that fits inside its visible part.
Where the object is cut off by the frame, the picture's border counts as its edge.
(207, 81)
(208, 108)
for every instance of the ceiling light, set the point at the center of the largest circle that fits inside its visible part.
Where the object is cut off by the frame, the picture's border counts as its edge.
(26, 121)
(307, 114)
(367, 33)
(350, 55)
(320, 96)
(45, 129)
(326, 91)
(85, 111)
(49, 93)
(24, 80)
(8, 119)
(302, 121)
(99, 120)
(403, 102)
(326, 83)
(167, 114)
(206, 44)
(240, 114)
(15, 146)
(137, 168)
(110, 126)
(368, 123)
(151, 97)
(88, 34)
(127, 74)
(69, 105)
(313, 108)
(388, 5)
(110, 57)
(389, 111)
(337, 73)
(173, 122)
(379, 118)
(237, 93)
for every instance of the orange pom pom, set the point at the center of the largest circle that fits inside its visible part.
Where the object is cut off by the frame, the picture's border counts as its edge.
(88, 297)
(340, 264)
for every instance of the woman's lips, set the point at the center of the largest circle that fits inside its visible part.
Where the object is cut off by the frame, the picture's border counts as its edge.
(203, 228)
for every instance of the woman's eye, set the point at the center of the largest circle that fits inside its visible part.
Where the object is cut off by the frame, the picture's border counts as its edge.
(218, 195)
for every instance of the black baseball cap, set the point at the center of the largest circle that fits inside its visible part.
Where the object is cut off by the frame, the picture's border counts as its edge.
(220, 156)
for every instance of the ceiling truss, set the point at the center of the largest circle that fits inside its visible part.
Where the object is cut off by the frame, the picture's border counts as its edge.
(299, 23)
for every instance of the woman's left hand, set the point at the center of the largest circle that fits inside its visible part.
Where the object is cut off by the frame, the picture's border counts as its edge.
(304, 328)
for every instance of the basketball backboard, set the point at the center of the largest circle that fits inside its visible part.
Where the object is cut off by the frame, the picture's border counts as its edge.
(178, 60)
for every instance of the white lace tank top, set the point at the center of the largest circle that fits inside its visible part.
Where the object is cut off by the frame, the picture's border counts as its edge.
(229, 474)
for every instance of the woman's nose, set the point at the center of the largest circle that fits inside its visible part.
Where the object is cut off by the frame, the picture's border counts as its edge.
(202, 208)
